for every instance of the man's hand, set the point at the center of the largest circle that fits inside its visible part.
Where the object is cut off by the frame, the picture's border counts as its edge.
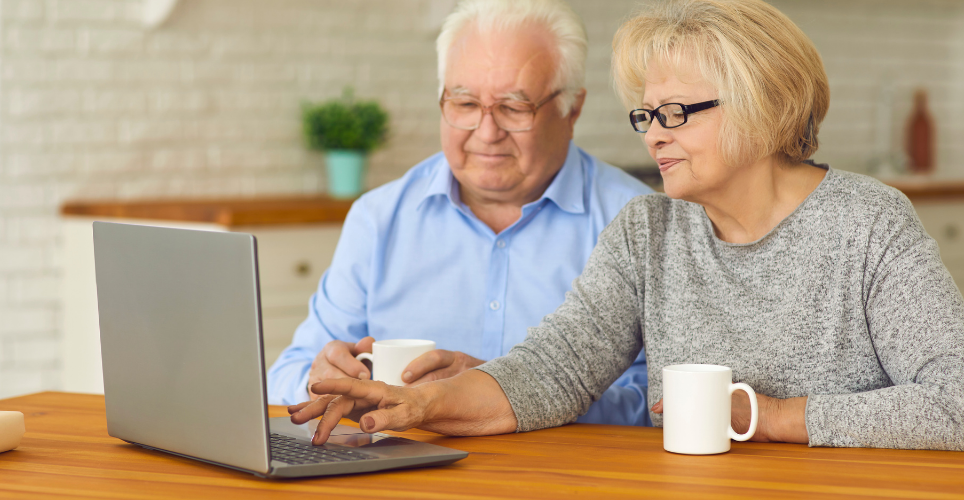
(437, 365)
(781, 420)
(337, 360)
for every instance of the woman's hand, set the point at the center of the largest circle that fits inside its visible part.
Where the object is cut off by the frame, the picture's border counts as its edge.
(781, 420)
(470, 404)
(376, 406)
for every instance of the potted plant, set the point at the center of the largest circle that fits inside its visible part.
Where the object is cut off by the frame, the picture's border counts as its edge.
(346, 130)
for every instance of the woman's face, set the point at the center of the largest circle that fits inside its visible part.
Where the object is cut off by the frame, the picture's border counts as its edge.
(688, 156)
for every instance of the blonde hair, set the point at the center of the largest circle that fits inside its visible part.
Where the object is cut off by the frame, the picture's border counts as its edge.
(503, 15)
(770, 78)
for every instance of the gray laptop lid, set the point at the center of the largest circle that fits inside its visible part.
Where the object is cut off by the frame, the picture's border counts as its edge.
(180, 337)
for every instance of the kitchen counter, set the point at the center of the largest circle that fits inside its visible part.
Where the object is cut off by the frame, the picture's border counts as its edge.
(921, 188)
(231, 212)
(928, 189)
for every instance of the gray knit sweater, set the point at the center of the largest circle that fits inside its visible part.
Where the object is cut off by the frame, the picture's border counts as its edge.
(846, 301)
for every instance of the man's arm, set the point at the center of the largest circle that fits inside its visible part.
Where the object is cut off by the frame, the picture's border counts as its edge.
(336, 312)
(624, 403)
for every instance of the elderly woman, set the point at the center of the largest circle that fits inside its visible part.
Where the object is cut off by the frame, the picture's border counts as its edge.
(819, 288)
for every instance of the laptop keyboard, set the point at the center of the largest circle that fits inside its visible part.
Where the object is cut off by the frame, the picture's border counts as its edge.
(290, 451)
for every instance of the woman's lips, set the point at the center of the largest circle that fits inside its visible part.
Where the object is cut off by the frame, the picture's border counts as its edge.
(666, 164)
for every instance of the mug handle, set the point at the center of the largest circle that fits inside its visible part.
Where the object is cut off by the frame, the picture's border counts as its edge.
(754, 413)
(367, 356)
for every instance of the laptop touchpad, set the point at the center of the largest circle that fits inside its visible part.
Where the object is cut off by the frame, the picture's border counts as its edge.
(283, 425)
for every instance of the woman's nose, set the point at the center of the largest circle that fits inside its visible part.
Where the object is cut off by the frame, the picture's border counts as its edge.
(657, 135)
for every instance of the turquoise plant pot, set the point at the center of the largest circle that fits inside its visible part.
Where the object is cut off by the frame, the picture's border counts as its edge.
(346, 172)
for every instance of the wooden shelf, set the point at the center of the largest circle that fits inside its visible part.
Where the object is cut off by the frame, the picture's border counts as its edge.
(226, 212)
(928, 189)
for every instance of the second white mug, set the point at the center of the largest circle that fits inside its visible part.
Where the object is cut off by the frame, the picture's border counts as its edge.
(390, 357)
(696, 409)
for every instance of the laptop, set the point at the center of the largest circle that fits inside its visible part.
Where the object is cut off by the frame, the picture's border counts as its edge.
(181, 340)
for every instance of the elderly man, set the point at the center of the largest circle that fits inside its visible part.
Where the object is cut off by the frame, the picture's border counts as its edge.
(479, 242)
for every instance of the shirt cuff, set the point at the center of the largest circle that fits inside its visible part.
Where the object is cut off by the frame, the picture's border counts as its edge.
(821, 415)
(514, 377)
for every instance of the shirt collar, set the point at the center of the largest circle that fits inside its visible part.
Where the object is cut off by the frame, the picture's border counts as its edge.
(567, 189)
(442, 183)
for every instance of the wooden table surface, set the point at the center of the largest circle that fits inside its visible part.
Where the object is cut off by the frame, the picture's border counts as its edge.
(67, 453)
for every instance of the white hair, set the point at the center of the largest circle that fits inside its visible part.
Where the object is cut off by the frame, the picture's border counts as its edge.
(502, 15)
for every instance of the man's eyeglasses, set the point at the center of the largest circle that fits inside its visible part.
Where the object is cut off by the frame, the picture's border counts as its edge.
(511, 115)
(669, 115)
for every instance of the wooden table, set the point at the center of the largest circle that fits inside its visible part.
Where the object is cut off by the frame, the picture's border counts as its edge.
(68, 454)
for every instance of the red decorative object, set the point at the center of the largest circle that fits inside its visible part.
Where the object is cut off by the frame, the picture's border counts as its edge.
(920, 135)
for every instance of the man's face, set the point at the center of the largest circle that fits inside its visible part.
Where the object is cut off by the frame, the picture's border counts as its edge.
(493, 165)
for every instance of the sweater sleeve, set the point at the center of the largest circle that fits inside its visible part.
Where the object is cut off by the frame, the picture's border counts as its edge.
(915, 315)
(572, 357)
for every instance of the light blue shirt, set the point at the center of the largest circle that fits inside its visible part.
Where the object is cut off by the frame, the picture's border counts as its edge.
(414, 262)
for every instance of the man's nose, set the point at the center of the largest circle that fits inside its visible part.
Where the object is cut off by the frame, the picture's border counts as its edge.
(488, 130)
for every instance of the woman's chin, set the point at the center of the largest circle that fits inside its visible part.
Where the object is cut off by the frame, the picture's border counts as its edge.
(675, 189)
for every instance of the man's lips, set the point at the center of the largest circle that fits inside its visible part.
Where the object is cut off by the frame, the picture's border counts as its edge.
(490, 155)
(666, 163)
(490, 158)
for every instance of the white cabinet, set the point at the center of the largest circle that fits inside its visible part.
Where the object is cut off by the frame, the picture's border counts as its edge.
(291, 261)
(944, 221)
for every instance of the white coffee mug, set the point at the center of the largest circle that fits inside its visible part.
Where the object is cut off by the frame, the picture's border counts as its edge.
(696, 409)
(390, 357)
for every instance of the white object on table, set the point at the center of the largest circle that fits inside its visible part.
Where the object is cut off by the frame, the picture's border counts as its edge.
(11, 429)
(696, 409)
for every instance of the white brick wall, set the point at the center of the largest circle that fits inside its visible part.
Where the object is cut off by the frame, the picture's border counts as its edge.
(94, 106)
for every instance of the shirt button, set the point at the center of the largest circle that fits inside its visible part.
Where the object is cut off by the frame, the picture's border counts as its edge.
(500, 243)
(494, 305)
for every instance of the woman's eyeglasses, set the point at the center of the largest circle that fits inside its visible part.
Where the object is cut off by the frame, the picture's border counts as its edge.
(669, 115)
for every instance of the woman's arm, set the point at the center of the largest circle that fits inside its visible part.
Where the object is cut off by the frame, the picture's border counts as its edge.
(567, 362)
(469, 404)
(915, 316)
(549, 379)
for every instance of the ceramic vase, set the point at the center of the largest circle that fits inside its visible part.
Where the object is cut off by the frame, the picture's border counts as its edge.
(346, 172)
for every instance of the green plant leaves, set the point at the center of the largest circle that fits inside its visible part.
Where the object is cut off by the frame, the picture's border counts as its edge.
(345, 123)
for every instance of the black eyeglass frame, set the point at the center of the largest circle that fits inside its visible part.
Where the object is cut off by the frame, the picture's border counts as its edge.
(534, 106)
(688, 109)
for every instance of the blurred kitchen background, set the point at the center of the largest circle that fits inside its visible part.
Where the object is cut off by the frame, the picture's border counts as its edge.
(98, 102)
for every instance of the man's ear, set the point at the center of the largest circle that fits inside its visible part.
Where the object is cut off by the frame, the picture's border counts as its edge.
(577, 107)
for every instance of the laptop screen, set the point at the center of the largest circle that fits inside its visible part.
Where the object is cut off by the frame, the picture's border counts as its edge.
(181, 341)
